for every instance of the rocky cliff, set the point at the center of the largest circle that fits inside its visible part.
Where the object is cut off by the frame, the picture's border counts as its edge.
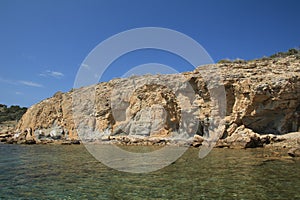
(262, 101)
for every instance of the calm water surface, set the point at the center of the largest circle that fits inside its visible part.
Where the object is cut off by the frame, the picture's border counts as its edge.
(70, 172)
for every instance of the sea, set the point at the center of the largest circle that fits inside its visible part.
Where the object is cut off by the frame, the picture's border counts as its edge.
(71, 172)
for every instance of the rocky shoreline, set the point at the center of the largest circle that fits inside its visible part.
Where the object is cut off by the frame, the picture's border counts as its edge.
(244, 139)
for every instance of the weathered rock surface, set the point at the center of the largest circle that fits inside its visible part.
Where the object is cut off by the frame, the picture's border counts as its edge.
(289, 140)
(294, 152)
(6, 130)
(262, 103)
(242, 138)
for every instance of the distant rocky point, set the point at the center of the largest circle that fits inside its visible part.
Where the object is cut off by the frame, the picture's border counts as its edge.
(9, 116)
(262, 107)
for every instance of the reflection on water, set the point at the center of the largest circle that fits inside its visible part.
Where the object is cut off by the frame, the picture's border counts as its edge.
(70, 172)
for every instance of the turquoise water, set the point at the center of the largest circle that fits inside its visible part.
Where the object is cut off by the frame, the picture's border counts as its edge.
(70, 172)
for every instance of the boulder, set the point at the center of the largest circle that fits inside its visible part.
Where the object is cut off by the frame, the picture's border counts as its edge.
(56, 133)
(197, 141)
(241, 138)
(294, 152)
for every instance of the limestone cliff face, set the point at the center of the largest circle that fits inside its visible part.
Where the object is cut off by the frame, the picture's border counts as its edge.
(264, 96)
(261, 95)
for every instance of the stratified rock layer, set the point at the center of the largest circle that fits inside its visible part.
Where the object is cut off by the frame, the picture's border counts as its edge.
(262, 97)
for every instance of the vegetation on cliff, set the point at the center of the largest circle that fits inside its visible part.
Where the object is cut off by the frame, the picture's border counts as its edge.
(12, 113)
(291, 52)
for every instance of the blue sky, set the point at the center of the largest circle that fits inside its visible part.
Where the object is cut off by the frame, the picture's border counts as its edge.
(43, 43)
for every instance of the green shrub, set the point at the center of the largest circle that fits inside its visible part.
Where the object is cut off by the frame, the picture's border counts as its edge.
(224, 61)
(11, 113)
(293, 51)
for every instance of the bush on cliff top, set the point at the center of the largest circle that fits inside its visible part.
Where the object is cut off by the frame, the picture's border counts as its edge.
(293, 51)
(288, 53)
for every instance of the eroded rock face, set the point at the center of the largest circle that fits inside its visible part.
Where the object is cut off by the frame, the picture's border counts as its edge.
(267, 98)
(262, 96)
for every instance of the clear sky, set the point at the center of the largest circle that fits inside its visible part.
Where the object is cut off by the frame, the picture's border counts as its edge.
(44, 42)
